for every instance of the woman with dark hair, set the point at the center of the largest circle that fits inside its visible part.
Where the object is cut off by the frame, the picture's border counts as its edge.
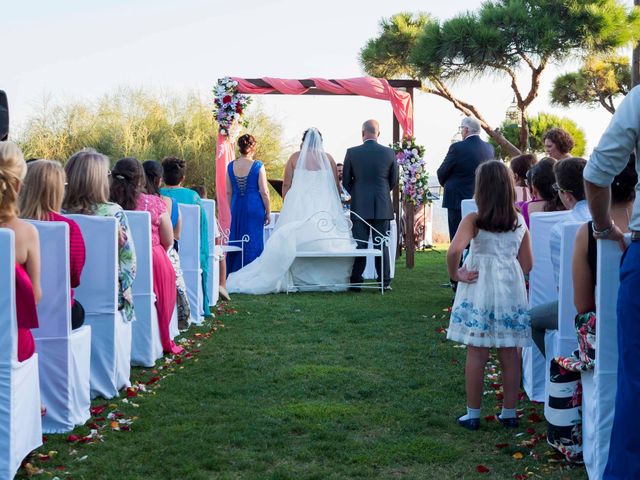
(248, 196)
(558, 143)
(520, 165)
(127, 185)
(153, 174)
(540, 179)
(173, 175)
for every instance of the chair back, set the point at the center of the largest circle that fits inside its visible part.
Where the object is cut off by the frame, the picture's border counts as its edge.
(54, 308)
(209, 207)
(145, 343)
(98, 294)
(566, 339)
(468, 206)
(190, 259)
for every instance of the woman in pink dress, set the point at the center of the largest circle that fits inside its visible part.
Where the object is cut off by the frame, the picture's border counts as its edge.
(127, 183)
(41, 199)
(27, 247)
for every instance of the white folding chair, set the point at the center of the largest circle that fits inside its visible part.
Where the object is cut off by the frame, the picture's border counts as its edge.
(542, 290)
(98, 293)
(146, 347)
(370, 265)
(468, 206)
(64, 355)
(190, 259)
(20, 423)
(599, 386)
(213, 274)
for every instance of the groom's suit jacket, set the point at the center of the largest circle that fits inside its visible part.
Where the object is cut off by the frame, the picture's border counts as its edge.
(369, 173)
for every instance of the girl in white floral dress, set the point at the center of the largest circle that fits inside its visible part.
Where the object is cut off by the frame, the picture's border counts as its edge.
(490, 308)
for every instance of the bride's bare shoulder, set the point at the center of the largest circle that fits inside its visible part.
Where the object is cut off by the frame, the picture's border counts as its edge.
(293, 158)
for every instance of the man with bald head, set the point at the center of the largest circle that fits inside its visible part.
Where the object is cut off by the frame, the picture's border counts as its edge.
(369, 174)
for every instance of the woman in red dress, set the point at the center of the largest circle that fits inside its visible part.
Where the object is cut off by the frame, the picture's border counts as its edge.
(27, 247)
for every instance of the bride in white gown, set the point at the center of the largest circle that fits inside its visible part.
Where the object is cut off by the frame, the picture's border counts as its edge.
(311, 219)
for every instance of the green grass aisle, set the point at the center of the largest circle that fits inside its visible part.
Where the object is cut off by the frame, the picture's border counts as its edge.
(311, 386)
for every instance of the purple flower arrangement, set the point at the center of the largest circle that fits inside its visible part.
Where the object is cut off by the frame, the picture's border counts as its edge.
(413, 172)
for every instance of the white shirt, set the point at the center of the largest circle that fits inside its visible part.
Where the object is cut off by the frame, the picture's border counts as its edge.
(612, 153)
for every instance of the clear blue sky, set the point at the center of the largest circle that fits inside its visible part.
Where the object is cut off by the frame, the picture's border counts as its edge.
(82, 49)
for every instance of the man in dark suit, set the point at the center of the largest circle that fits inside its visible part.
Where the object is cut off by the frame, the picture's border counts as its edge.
(457, 174)
(370, 172)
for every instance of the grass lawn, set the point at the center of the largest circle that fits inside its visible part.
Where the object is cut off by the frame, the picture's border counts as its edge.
(311, 386)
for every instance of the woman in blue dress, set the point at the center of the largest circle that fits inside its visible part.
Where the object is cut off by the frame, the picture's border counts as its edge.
(249, 200)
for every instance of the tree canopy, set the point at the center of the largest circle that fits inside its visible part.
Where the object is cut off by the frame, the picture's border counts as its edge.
(597, 83)
(504, 37)
(538, 126)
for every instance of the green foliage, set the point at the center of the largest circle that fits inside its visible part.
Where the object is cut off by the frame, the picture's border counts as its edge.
(505, 34)
(386, 56)
(135, 123)
(538, 126)
(598, 81)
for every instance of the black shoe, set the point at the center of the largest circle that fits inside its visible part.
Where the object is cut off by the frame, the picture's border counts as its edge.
(508, 422)
(470, 424)
(387, 288)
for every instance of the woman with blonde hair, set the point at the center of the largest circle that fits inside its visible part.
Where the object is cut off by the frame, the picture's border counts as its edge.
(41, 199)
(88, 193)
(27, 246)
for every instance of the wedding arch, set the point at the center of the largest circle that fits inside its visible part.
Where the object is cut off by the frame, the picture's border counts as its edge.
(398, 92)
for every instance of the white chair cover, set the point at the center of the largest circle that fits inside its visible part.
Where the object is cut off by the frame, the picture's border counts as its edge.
(563, 341)
(146, 347)
(213, 279)
(20, 424)
(190, 259)
(599, 386)
(468, 206)
(542, 290)
(64, 355)
(98, 293)
(370, 266)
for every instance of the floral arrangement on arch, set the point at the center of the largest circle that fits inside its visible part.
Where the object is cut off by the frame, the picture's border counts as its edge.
(229, 105)
(413, 171)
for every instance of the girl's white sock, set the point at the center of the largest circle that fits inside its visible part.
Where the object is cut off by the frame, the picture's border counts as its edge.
(472, 413)
(508, 413)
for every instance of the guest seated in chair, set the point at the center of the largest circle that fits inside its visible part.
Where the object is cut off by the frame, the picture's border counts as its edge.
(87, 193)
(540, 179)
(570, 187)
(153, 174)
(27, 247)
(520, 165)
(174, 170)
(127, 183)
(41, 199)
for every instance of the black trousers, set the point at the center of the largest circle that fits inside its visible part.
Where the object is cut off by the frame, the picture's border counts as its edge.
(455, 217)
(361, 231)
(77, 314)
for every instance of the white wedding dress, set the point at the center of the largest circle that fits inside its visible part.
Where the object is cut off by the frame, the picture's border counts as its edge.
(311, 219)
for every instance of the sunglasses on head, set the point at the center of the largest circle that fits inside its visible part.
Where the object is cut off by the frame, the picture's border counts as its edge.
(557, 188)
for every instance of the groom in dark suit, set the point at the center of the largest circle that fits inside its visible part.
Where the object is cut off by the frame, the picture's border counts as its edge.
(370, 172)
(457, 174)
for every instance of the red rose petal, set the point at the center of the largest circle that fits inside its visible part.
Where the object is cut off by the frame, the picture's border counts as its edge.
(531, 431)
(152, 380)
(131, 392)
(97, 410)
(73, 438)
(490, 418)
(534, 418)
(482, 469)
(502, 445)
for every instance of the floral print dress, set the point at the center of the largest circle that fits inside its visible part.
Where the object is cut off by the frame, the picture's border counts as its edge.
(126, 256)
(493, 312)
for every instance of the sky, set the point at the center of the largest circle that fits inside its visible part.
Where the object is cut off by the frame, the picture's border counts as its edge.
(82, 49)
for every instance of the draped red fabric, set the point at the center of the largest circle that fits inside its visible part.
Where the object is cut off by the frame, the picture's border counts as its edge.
(378, 88)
